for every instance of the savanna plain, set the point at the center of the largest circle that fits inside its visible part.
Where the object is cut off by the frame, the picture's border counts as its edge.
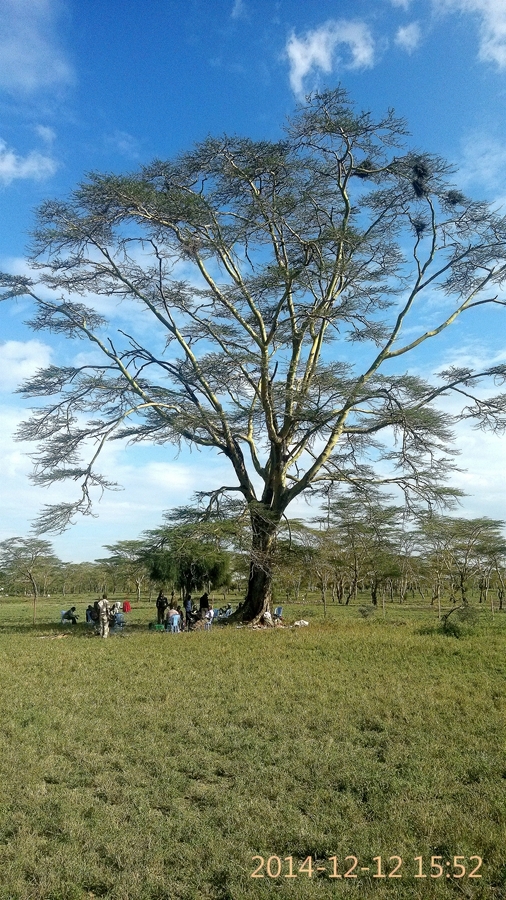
(151, 766)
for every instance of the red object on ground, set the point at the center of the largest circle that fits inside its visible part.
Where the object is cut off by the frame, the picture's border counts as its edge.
(126, 606)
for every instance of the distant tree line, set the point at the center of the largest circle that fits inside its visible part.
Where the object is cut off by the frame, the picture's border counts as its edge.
(357, 545)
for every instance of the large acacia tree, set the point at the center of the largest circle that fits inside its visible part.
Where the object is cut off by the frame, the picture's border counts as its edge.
(286, 281)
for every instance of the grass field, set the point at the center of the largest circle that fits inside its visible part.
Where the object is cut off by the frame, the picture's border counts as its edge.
(154, 766)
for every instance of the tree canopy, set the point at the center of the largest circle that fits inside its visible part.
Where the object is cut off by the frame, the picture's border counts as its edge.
(286, 281)
(28, 560)
(189, 553)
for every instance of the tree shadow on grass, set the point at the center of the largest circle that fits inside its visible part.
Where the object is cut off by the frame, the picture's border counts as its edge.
(40, 628)
(80, 631)
(48, 629)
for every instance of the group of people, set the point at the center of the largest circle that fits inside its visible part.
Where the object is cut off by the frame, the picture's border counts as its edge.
(189, 614)
(104, 615)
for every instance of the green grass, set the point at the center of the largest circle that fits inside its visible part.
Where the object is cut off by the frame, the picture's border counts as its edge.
(155, 766)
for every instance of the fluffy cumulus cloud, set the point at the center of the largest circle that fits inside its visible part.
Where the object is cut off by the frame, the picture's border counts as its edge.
(316, 50)
(408, 37)
(147, 490)
(492, 16)
(29, 48)
(482, 478)
(20, 360)
(34, 165)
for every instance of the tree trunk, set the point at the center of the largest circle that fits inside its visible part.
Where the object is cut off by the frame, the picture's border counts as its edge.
(258, 598)
(323, 592)
(35, 593)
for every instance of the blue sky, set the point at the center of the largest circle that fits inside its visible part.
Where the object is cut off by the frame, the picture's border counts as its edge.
(108, 86)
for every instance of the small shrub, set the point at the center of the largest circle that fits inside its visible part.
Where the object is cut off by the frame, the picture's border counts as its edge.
(450, 627)
(467, 615)
(366, 611)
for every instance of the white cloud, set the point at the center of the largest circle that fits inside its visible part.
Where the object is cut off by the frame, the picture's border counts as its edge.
(483, 162)
(238, 10)
(168, 477)
(16, 265)
(150, 487)
(408, 37)
(29, 47)
(492, 24)
(316, 50)
(492, 14)
(34, 165)
(123, 143)
(20, 360)
(474, 354)
(46, 134)
(482, 459)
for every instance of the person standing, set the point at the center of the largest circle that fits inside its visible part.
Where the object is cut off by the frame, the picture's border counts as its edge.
(209, 616)
(103, 616)
(161, 605)
(188, 605)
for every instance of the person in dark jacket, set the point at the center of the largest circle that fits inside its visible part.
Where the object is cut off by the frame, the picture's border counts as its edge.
(161, 605)
(188, 606)
(204, 604)
(70, 615)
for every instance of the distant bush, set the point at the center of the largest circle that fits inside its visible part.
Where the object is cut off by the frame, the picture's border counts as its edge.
(464, 616)
(467, 615)
(449, 627)
(366, 611)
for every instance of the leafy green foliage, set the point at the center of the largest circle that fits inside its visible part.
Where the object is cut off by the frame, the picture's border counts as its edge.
(27, 561)
(189, 556)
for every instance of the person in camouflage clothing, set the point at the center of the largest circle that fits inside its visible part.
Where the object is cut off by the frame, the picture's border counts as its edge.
(103, 616)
